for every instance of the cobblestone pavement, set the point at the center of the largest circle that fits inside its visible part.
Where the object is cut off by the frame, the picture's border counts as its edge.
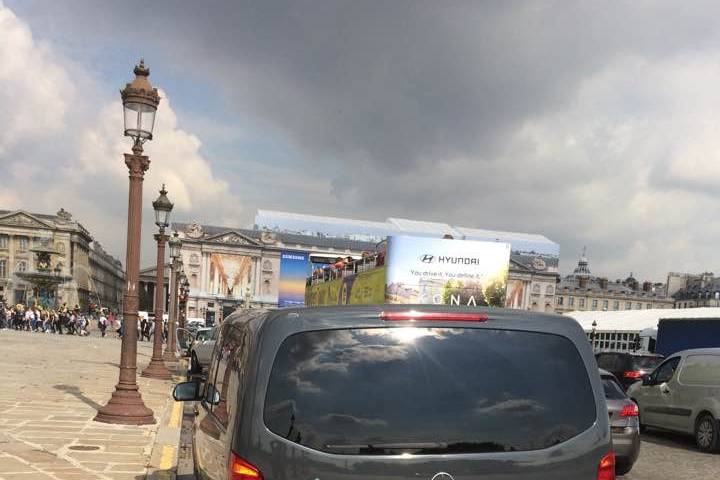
(667, 456)
(52, 388)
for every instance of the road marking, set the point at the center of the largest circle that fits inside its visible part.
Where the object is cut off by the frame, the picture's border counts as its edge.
(176, 415)
(166, 459)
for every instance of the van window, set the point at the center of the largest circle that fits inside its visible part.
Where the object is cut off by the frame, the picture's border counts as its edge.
(230, 372)
(700, 370)
(428, 391)
(665, 372)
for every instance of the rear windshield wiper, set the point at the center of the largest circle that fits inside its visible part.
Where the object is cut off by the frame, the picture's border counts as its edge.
(427, 448)
(386, 446)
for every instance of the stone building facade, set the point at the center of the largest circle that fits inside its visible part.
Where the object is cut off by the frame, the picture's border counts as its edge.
(95, 276)
(583, 291)
(695, 290)
(107, 278)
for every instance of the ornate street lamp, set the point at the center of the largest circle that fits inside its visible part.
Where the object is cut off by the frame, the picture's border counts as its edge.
(593, 333)
(175, 253)
(156, 368)
(140, 102)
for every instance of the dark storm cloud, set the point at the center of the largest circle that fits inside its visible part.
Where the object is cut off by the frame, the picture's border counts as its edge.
(446, 111)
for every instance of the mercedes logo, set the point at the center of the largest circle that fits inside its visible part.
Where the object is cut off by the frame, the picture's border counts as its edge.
(442, 476)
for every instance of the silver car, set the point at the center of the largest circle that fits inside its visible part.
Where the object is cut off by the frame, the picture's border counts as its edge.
(202, 349)
(624, 424)
(683, 395)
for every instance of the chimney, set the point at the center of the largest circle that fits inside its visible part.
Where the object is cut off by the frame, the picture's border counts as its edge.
(603, 283)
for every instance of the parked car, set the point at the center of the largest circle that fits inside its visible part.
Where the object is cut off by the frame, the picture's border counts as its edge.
(202, 348)
(402, 392)
(683, 395)
(627, 367)
(624, 424)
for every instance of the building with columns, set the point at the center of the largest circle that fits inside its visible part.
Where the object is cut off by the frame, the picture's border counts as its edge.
(232, 267)
(93, 276)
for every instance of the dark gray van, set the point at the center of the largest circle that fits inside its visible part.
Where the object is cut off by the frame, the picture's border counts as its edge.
(399, 392)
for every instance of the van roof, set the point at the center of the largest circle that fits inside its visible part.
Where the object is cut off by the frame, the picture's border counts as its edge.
(697, 351)
(347, 314)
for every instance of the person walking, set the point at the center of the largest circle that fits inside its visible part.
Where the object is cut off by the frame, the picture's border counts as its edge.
(62, 318)
(29, 321)
(111, 319)
(19, 317)
(83, 325)
(102, 323)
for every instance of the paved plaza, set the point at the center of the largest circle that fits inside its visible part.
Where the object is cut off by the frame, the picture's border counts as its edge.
(52, 388)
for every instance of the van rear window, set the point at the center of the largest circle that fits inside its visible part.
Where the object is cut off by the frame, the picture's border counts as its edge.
(386, 391)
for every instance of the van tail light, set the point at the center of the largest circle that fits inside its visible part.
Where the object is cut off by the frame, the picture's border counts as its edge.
(606, 469)
(632, 374)
(432, 316)
(630, 410)
(239, 469)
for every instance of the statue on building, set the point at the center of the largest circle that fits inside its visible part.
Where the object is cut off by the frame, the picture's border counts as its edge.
(194, 230)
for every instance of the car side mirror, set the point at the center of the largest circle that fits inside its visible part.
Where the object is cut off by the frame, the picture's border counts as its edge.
(647, 380)
(187, 391)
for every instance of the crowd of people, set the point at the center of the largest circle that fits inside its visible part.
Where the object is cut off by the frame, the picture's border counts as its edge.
(70, 321)
(62, 320)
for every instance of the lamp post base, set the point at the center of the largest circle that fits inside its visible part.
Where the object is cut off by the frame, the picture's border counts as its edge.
(125, 407)
(169, 357)
(157, 369)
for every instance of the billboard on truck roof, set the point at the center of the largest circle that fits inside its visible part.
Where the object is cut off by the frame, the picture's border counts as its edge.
(421, 270)
(446, 271)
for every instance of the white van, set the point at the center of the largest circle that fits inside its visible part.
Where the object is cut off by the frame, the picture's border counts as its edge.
(683, 395)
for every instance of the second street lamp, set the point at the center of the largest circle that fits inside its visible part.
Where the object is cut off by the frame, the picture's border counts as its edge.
(163, 207)
(140, 102)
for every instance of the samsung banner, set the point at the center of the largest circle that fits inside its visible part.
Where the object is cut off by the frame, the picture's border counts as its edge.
(442, 271)
(293, 272)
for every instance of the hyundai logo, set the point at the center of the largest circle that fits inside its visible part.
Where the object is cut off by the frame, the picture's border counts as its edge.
(442, 476)
(427, 258)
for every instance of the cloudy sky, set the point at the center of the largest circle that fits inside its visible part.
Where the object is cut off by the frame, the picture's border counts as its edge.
(592, 123)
